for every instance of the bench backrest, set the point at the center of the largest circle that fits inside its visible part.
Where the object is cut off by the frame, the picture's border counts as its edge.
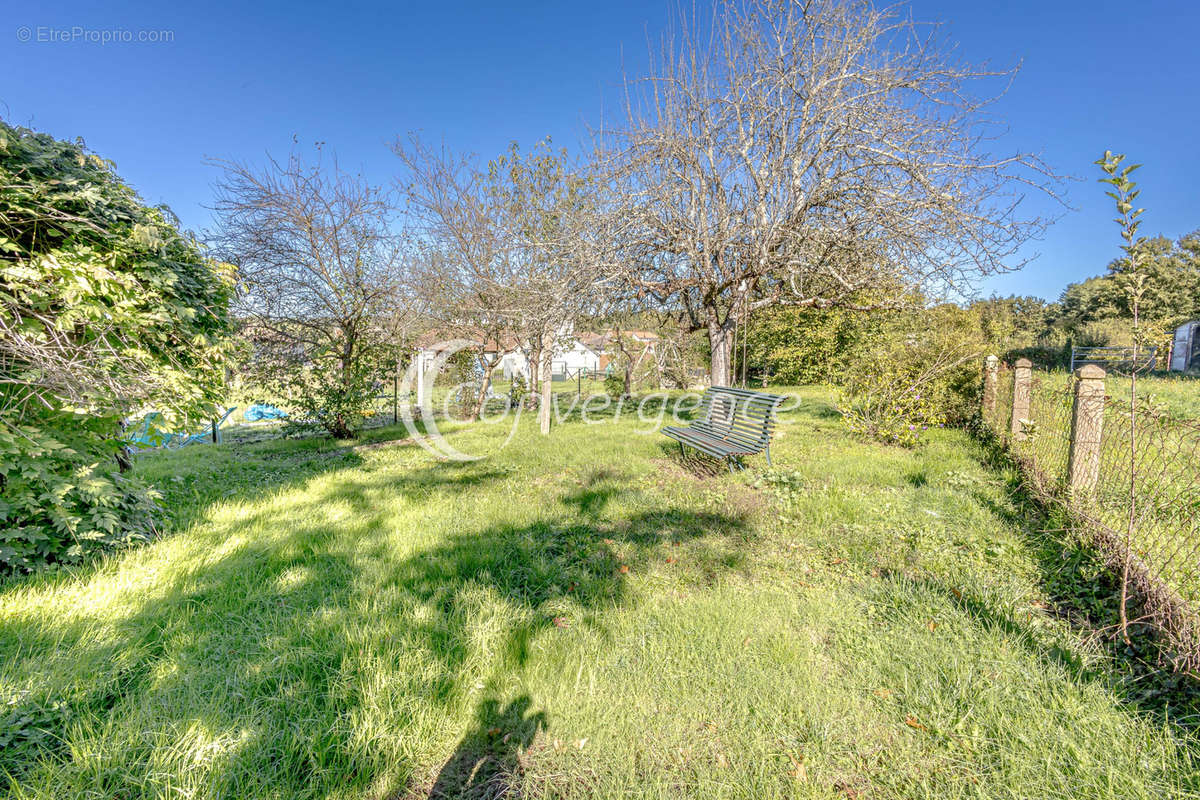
(739, 416)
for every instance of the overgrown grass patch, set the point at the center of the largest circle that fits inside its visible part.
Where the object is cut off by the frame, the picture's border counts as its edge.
(578, 616)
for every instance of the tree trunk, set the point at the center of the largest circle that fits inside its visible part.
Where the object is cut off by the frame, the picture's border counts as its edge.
(720, 339)
(531, 386)
(485, 383)
(544, 405)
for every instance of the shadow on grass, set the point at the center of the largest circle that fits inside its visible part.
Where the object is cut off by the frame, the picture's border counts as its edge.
(1086, 594)
(305, 645)
(487, 762)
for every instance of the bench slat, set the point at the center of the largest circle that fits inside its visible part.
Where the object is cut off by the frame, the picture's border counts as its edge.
(730, 422)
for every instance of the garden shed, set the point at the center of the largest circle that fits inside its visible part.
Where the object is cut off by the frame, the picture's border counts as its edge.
(1185, 347)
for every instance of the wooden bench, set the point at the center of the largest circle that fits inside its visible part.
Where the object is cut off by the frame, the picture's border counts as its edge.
(731, 423)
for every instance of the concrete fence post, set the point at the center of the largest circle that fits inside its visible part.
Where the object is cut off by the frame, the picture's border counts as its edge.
(1087, 422)
(991, 375)
(1022, 392)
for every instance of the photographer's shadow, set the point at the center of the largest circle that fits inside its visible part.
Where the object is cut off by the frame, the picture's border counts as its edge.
(487, 762)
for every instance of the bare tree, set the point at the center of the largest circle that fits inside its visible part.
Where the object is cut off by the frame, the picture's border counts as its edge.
(555, 232)
(322, 278)
(517, 244)
(456, 211)
(816, 153)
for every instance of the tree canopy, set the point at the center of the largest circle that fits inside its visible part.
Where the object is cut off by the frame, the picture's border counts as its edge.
(105, 307)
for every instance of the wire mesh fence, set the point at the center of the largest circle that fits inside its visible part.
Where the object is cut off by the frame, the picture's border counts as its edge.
(1127, 478)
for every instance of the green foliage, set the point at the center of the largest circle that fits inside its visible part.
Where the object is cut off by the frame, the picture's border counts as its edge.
(1018, 324)
(803, 345)
(1170, 279)
(920, 372)
(27, 731)
(105, 307)
(96, 284)
(319, 388)
(63, 497)
(886, 405)
(517, 389)
(614, 386)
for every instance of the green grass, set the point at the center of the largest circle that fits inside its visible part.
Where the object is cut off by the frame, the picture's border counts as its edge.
(1174, 394)
(1166, 536)
(1171, 393)
(578, 616)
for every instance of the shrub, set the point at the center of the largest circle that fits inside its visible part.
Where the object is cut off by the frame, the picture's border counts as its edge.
(921, 372)
(106, 307)
(804, 345)
(63, 495)
(614, 386)
(517, 389)
(888, 407)
(29, 729)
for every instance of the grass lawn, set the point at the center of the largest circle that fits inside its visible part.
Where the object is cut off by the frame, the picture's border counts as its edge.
(578, 616)
(1170, 393)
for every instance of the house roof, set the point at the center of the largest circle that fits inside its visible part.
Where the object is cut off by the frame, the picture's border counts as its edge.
(431, 338)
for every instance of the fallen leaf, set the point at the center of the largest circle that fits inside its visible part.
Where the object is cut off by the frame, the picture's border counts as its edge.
(712, 727)
(722, 761)
(956, 593)
(912, 723)
(581, 743)
(800, 771)
(849, 791)
(561, 622)
(837, 561)
(558, 745)
(493, 731)
(670, 559)
(932, 625)
(884, 693)
(623, 569)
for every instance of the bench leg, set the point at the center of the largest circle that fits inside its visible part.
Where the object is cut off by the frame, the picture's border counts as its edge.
(681, 453)
(729, 462)
(768, 455)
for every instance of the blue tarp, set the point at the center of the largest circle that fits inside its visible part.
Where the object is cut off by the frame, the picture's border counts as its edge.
(261, 411)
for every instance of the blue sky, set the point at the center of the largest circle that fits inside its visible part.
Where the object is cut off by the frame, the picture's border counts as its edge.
(239, 80)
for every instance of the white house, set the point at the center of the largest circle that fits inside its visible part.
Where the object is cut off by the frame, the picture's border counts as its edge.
(570, 356)
(574, 357)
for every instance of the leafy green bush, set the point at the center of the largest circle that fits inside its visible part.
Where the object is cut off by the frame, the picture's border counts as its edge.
(614, 386)
(106, 308)
(28, 729)
(921, 372)
(804, 345)
(885, 407)
(63, 495)
(517, 389)
(321, 392)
